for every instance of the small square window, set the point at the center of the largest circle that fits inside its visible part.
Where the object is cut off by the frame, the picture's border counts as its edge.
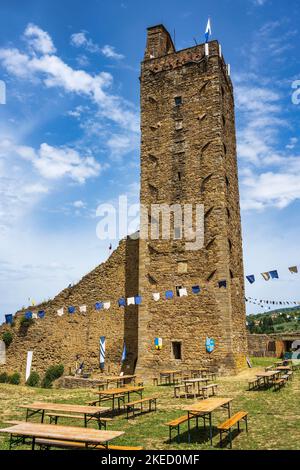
(178, 100)
(182, 267)
(177, 233)
(178, 125)
(176, 350)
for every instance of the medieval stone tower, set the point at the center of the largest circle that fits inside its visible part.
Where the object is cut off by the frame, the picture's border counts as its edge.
(188, 156)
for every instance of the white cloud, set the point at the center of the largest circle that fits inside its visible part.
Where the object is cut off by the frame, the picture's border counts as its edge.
(38, 39)
(54, 72)
(79, 204)
(109, 51)
(60, 162)
(81, 40)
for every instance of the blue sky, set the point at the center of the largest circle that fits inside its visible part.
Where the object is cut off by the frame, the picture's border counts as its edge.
(69, 132)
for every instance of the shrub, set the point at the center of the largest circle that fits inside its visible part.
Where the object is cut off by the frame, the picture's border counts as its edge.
(14, 379)
(52, 373)
(3, 378)
(7, 338)
(33, 380)
(26, 322)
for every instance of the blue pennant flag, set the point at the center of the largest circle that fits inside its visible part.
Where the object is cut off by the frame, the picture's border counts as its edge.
(169, 294)
(41, 313)
(9, 319)
(98, 305)
(196, 289)
(222, 284)
(122, 302)
(251, 279)
(71, 309)
(138, 300)
(274, 274)
(28, 315)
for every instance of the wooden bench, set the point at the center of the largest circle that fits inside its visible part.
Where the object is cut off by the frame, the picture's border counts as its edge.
(131, 406)
(278, 384)
(229, 423)
(48, 443)
(267, 369)
(206, 388)
(155, 381)
(176, 423)
(255, 383)
(100, 420)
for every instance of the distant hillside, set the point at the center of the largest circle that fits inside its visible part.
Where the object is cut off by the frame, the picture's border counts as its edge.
(275, 321)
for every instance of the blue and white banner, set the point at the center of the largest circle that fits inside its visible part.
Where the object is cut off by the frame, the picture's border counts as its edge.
(208, 31)
(102, 352)
(124, 354)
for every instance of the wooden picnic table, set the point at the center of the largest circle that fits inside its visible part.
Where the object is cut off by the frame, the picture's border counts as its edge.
(197, 381)
(284, 368)
(90, 437)
(120, 380)
(88, 412)
(205, 408)
(113, 393)
(169, 374)
(198, 372)
(268, 376)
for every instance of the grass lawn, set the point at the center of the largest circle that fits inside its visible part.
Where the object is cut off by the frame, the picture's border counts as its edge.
(274, 417)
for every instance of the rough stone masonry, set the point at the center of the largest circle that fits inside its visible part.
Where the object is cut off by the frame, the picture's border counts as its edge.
(188, 156)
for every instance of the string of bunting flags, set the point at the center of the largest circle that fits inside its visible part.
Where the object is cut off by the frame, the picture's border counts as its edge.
(262, 302)
(122, 302)
(271, 274)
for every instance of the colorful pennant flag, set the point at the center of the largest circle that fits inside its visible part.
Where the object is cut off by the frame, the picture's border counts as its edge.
(183, 292)
(130, 301)
(222, 284)
(158, 343)
(138, 300)
(251, 279)
(294, 269)
(71, 309)
(122, 302)
(106, 305)
(28, 315)
(196, 289)
(274, 274)
(82, 309)
(169, 294)
(9, 319)
(98, 305)
(266, 276)
(60, 312)
(156, 296)
(41, 314)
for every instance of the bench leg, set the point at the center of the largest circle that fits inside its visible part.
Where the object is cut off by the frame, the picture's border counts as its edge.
(246, 420)
(178, 433)
(230, 438)
(220, 438)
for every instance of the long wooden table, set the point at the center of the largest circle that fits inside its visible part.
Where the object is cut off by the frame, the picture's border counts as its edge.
(120, 380)
(90, 437)
(169, 375)
(198, 372)
(269, 376)
(114, 393)
(204, 409)
(196, 382)
(39, 408)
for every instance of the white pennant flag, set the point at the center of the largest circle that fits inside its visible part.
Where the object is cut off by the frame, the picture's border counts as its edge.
(106, 305)
(82, 309)
(182, 292)
(130, 301)
(34, 316)
(156, 296)
(60, 312)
